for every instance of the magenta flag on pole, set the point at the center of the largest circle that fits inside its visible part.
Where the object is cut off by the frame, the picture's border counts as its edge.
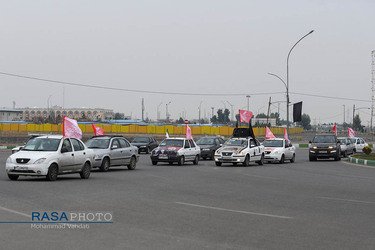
(71, 128)
(286, 134)
(335, 129)
(97, 130)
(188, 133)
(245, 115)
(269, 134)
(351, 132)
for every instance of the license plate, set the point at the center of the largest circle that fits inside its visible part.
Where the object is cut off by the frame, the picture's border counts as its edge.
(163, 156)
(20, 168)
(323, 152)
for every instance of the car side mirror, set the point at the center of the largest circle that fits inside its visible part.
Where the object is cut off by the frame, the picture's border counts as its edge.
(310, 142)
(114, 147)
(64, 150)
(338, 141)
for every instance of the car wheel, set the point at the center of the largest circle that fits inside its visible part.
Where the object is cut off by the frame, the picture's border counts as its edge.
(147, 150)
(246, 161)
(181, 161)
(344, 154)
(52, 173)
(85, 172)
(13, 177)
(337, 158)
(293, 158)
(218, 164)
(154, 163)
(132, 164)
(312, 158)
(282, 159)
(196, 160)
(212, 155)
(261, 162)
(105, 165)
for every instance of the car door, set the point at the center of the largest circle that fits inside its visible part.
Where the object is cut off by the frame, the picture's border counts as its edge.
(67, 157)
(255, 149)
(154, 143)
(116, 153)
(195, 150)
(79, 153)
(288, 149)
(126, 151)
(187, 150)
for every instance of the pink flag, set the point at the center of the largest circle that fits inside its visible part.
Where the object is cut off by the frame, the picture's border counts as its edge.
(97, 130)
(351, 133)
(269, 134)
(188, 133)
(71, 128)
(245, 115)
(335, 129)
(286, 135)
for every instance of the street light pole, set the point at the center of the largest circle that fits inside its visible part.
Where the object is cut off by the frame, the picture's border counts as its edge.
(166, 112)
(287, 80)
(248, 102)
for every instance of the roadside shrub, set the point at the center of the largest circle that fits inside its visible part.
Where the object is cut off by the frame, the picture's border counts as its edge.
(367, 150)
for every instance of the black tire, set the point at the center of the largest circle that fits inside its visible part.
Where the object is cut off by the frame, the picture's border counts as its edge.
(154, 163)
(293, 158)
(196, 160)
(85, 172)
(13, 177)
(181, 161)
(312, 158)
(344, 154)
(52, 173)
(245, 163)
(105, 165)
(147, 150)
(337, 158)
(170, 163)
(282, 159)
(234, 163)
(218, 164)
(133, 163)
(261, 162)
(212, 157)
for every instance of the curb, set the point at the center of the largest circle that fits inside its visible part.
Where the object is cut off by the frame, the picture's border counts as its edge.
(361, 161)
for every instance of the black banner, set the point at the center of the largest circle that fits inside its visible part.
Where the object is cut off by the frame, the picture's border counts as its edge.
(297, 112)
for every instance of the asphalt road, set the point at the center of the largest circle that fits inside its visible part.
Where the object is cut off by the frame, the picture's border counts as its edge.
(304, 205)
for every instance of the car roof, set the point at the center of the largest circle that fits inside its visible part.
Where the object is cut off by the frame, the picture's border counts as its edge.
(107, 136)
(175, 138)
(51, 136)
(275, 139)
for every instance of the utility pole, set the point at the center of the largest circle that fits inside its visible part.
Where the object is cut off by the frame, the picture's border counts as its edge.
(143, 108)
(353, 115)
(344, 114)
(268, 111)
(248, 102)
(373, 87)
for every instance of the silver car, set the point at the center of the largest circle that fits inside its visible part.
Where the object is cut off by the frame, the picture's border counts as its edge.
(113, 151)
(347, 146)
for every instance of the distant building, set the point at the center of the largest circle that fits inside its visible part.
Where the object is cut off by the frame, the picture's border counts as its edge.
(56, 113)
(10, 115)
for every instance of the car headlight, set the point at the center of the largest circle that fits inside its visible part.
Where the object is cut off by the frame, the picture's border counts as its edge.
(315, 147)
(40, 161)
(217, 152)
(240, 153)
(9, 160)
(277, 151)
(331, 147)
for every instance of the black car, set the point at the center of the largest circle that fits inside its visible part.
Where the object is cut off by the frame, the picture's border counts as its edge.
(209, 145)
(325, 146)
(145, 143)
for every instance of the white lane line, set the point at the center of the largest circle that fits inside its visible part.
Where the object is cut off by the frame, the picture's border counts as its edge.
(346, 200)
(260, 176)
(234, 211)
(15, 212)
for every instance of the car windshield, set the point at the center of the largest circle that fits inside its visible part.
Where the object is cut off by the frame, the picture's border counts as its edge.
(98, 143)
(206, 141)
(236, 142)
(342, 141)
(141, 140)
(172, 143)
(42, 144)
(324, 139)
(273, 143)
(353, 140)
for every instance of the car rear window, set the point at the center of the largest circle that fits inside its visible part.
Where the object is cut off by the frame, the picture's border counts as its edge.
(324, 139)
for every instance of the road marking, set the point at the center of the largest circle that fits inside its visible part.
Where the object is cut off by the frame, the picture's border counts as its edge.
(234, 211)
(15, 212)
(347, 200)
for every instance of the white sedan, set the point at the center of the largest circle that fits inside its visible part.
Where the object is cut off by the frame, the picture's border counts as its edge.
(279, 150)
(50, 156)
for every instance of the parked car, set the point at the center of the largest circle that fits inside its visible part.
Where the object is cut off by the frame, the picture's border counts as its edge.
(240, 150)
(209, 145)
(324, 146)
(178, 150)
(359, 144)
(346, 146)
(279, 150)
(113, 151)
(50, 156)
(145, 143)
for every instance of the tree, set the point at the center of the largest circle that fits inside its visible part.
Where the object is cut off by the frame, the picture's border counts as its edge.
(223, 117)
(119, 116)
(261, 115)
(357, 123)
(180, 121)
(214, 119)
(305, 120)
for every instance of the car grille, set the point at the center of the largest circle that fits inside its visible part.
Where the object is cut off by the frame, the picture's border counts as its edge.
(227, 153)
(22, 160)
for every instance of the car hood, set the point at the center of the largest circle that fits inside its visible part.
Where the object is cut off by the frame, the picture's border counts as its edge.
(235, 149)
(272, 148)
(165, 150)
(323, 145)
(32, 155)
(206, 146)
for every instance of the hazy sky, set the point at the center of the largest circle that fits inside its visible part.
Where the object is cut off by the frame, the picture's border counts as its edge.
(201, 47)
